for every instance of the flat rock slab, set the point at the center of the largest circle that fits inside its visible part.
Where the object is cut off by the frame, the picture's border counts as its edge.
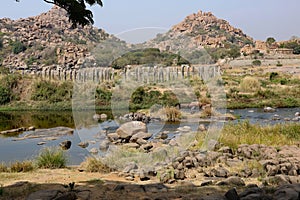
(43, 195)
(51, 132)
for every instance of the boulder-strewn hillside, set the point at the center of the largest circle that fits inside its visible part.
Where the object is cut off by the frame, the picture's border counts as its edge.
(46, 40)
(199, 31)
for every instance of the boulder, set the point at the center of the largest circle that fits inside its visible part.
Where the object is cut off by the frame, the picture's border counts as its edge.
(140, 135)
(127, 130)
(66, 144)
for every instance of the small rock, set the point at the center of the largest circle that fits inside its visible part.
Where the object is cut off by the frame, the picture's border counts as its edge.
(269, 109)
(66, 144)
(41, 143)
(83, 144)
(104, 145)
(103, 116)
(206, 183)
(31, 128)
(94, 151)
(233, 181)
(96, 117)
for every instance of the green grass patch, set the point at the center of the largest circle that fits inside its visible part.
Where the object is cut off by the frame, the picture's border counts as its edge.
(52, 158)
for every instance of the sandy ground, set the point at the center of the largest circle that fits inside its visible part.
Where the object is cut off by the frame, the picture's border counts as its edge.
(102, 186)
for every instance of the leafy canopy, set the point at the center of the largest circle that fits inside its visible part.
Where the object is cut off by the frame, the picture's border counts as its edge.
(76, 9)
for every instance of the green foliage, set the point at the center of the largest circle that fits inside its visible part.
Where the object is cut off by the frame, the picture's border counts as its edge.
(151, 56)
(273, 75)
(143, 98)
(7, 84)
(51, 158)
(292, 45)
(5, 95)
(270, 40)
(256, 63)
(230, 51)
(31, 60)
(103, 95)
(18, 47)
(234, 52)
(52, 91)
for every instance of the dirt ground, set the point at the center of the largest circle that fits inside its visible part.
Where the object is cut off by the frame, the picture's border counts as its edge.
(100, 186)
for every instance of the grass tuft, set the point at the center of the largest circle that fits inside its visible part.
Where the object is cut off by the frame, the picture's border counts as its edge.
(52, 158)
(95, 165)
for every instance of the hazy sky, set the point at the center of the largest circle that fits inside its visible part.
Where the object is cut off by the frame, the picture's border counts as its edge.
(257, 18)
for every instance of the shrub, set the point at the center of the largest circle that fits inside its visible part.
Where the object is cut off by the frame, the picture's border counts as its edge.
(24, 166)
(95, 165)
(3, 168)
(250, 84)
(18, 47)
(273, 75)
(256, 63)
(53, 92)
(52, 158)
(172, 113)
(5, 95)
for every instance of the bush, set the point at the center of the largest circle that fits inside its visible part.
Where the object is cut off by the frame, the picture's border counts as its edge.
(172, 113)
(4, 95)
(52, 92)
(24, 166)
(256, 63)
(18, 47)
(95, 165)
(52, 158)
(250, 84)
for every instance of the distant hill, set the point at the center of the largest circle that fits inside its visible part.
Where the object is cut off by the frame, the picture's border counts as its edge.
(198, 32)
(48, 40)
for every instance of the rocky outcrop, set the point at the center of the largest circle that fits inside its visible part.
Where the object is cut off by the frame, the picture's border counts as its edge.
(49, 40)
(200, 30)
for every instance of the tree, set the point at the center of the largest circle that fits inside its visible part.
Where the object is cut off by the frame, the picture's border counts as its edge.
(270, 40)
(76, 9)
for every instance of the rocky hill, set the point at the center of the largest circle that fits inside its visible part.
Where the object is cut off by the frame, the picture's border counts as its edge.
(46, 40)
(199, 31)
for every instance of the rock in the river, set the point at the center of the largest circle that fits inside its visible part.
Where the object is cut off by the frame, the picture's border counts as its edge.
(103, 116)
(94, 151)
(127, 130)
(297, 114)
(96, 117)
(66, 144)
(83, 144)
(31, 128)
(269, 109)
(104, 145)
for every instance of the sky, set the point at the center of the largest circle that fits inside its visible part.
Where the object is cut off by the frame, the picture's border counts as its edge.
(257, 18)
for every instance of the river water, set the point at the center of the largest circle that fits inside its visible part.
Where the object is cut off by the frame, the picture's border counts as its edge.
(12, 149)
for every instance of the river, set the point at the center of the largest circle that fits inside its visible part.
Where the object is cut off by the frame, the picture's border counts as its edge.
(12, 149)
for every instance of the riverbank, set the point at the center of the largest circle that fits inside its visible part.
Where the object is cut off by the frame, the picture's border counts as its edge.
(244, 87)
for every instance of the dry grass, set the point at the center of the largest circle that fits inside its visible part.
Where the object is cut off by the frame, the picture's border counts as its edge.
(95, 165)
(246, 133)
(250, 84)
